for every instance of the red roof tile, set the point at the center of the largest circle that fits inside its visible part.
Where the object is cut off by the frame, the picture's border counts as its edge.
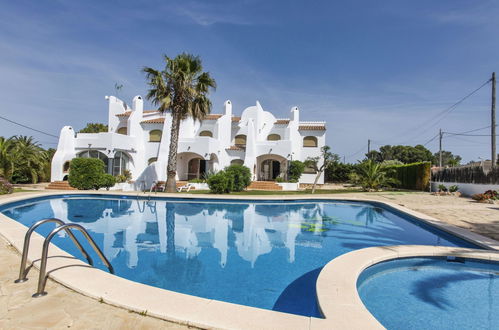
(153, 121)
(235, 148)
(282, 122)
(311, 128)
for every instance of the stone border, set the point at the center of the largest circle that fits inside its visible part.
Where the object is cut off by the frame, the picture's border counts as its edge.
(337, 282)
(208, 313)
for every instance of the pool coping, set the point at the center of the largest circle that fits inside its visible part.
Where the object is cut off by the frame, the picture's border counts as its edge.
(208, 313)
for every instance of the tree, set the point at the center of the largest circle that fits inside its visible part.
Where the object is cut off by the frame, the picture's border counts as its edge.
(6, 157)
(372, 176)
(94, 128)
(405, 154)
(295, 170)
(327, 158)
(29, 160)
(448, 159)
(182, 89)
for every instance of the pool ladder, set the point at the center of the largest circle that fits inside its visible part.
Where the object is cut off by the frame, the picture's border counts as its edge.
(42, 280)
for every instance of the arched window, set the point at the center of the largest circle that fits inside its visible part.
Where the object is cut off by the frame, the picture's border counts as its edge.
(122, 130)
(155, 135)
(95, 154)
(206, 133)
(152, 160)
(237, 162)
(65, 167)
(273, 137)
(120, 162)
(240, 140)
(310, 141)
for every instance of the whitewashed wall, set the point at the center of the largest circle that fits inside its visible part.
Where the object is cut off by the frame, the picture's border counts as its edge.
(467, 189)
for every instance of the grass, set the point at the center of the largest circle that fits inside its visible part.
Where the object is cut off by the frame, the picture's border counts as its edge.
(281, 192)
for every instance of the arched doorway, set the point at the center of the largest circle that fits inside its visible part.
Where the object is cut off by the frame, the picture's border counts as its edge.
(196, 168)
(270, 169)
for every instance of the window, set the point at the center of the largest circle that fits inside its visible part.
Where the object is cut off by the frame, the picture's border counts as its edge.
(95, 154)
(206, 133)
(65, 167)
(122, 130)
(310, 141)
(155, 135)
(237, 162)
(310, 168)
(273, 137)
(120, 162)
(240, 140)
(152, 160)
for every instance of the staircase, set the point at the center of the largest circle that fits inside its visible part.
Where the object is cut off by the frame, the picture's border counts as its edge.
(264, 185)
(60, 185)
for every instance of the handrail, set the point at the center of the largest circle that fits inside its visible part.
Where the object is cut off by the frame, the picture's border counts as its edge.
(27, 238)
(42, 280)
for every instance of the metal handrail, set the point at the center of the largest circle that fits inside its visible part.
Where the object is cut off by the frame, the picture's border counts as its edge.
(42, 280)
(27, 238)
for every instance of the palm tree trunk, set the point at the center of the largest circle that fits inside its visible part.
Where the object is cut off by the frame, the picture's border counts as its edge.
(171, 169)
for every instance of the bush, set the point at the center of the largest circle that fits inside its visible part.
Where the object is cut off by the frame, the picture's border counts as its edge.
(196, 180)
(442, 187)
(339, 172)
(125, 177)
(86, 173)
(296, 169)
(488, 195)
(107, 181)
(219, 183)
(5, 186)
(453, 188)
(279, 179)
(415, 176)
(239, 177)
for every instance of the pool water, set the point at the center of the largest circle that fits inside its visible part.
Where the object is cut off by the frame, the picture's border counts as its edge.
(260, 254)
(432, 293)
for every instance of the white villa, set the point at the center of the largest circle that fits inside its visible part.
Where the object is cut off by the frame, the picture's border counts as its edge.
(138, 140)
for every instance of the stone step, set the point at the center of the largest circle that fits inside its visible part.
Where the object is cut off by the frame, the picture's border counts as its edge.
(60, 185)
(264, 185)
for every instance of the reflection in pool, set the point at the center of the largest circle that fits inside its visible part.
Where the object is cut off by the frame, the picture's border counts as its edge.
(261, 254)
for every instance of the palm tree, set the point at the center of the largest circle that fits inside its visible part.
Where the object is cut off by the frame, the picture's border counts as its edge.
(29, 159)
(372, 176)
(6, 157)
(181, 88)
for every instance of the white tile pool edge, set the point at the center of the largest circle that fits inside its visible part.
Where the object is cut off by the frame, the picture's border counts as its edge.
(208, 313)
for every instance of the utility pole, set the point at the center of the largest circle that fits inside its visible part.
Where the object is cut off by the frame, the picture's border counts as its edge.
(368, 149)
(440, 150)
(493, 120)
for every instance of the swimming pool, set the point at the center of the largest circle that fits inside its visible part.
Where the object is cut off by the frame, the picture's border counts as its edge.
(254, 253)
(432, 293)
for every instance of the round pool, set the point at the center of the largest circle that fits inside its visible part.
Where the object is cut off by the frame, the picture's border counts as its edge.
(432, 293)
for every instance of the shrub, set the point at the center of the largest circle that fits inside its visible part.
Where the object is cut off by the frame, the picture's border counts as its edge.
(442, 187)
(219, 183)
(296, 169)
(414, 176)
(453, 188)
(488, 195)
(196, 181)
(5, 186)
(279, 179)
(107, 181)
(86, 173)
(239, 177)
(125, 177)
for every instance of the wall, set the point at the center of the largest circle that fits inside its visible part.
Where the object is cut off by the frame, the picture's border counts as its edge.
(467, 189)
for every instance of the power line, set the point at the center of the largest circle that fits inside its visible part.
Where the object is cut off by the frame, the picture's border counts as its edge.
(446, 111)
(433, 138)
(31, 128)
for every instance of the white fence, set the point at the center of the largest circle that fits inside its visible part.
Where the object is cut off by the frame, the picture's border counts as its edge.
(467, 189)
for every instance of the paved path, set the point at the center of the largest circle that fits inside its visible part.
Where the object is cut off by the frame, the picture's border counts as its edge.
(64, 308)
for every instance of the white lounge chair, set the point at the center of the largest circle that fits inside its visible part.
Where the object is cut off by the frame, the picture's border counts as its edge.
(185, 187)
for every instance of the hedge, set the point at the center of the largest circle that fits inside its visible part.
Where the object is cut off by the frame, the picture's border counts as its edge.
(86, 173)
(415, 176)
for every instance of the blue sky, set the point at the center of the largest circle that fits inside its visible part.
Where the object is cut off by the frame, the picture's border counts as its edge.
(380, 70)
